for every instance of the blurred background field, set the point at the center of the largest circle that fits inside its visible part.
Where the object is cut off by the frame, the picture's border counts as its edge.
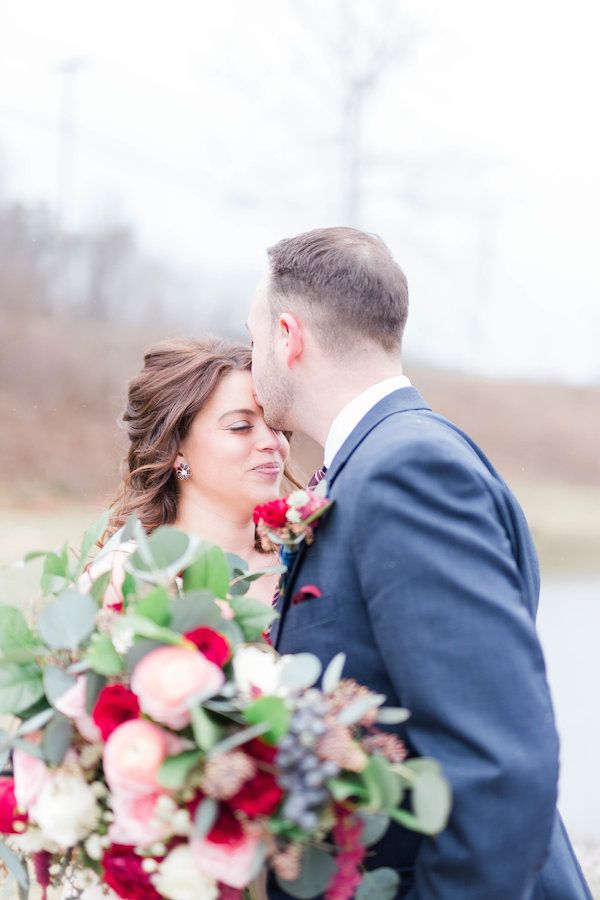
(147, 159)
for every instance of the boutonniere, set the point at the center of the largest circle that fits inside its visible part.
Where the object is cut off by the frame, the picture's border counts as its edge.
(288, 521)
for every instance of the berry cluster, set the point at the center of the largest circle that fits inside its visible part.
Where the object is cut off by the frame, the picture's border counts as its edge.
(303, 773)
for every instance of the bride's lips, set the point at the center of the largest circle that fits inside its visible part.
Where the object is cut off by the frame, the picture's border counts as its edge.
(268, 470)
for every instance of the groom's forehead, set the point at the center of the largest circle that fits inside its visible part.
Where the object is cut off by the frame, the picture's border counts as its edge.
(260, 301)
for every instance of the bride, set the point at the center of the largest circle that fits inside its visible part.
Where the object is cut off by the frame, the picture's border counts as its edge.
(200, 455)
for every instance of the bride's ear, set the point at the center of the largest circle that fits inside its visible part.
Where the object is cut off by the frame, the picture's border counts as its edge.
(292, 334)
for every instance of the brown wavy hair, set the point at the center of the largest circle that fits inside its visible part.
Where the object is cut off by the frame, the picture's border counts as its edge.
(178, 378)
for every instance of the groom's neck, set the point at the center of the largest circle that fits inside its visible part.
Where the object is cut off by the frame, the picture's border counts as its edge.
(330, 386)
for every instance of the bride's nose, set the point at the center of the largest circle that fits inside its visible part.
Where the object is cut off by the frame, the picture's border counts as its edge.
(269, 439)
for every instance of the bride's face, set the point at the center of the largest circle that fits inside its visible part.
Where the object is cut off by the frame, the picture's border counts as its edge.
(234, 457)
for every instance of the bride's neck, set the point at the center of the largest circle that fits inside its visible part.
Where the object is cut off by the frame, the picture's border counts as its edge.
(228, 528)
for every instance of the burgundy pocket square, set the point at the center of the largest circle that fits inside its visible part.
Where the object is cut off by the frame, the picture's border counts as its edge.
(306, 592)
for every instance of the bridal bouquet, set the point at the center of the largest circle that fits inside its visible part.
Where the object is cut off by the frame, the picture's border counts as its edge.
(156, 747)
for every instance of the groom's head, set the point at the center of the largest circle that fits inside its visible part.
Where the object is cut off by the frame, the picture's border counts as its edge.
(331, 295)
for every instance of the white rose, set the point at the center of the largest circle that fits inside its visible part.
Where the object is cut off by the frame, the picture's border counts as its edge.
(255, 671)
(298, 499)
(178, 877)
(66, 809)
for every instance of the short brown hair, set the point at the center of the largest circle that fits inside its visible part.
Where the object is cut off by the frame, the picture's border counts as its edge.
(349, 283)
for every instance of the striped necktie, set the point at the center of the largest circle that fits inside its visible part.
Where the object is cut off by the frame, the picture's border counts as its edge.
(318, 476)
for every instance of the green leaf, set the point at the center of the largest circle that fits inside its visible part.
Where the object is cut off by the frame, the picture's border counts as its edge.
(333, 672)
(155, 606)
(209, 571)
(15, 864)
(99, 586)
(383, 784)
(205, 817)
(94, 683)
(169, 546)
(392, 715)
(56, 683)
(253, 616)
(206, 731)
(195, 609)
(238, 738)
(347, 785)
(175, 769)
(40, 720)
(55, 574)
(376, 825)
(68, 620)
(298, 671)
(431, 801)
(145, 628)
(316, 870)
(102, 656)
(355, 711)
(272, 710)
(58, 737)
(21, 685)
(379, 884)
(14, 632)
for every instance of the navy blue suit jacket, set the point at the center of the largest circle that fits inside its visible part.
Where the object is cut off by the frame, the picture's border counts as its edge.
(430, 585)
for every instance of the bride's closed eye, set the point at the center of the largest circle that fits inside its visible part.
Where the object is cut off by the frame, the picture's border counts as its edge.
(240, 426)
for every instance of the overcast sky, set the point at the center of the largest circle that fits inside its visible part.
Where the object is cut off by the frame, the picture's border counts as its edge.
(217, 128)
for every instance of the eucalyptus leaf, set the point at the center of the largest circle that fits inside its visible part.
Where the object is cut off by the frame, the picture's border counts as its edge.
(99, 587)
(376, 825)
(316, 870)
(90, 538)
(56, 683)
(145, 628)
(378, 884)
(333, 672)
(392, 715)
(207, 733)
(272, 710)
(29, 747)
(102, 657)
(252, 616)
(205, 817)
(15, 864)
(68, 620)
(40, 720)
(155, 605)
(195, 609)
(14, 632)
(58, 737)
(356, 710)
(298, 671)
(21, 685)
(239, 738)
(383, 784)
(209, 571)
(431, 801)
(175, 769)
(347, 785)
(94, 683)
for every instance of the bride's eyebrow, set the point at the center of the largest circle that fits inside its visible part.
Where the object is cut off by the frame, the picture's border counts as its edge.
(236, 412)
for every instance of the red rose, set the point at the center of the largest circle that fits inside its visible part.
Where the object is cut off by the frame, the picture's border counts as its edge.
(261, 751)
(226, 830)
(260, 796)
(213, 645)
(8, 806)
(116, 704)
(272, 514)
(124, 874)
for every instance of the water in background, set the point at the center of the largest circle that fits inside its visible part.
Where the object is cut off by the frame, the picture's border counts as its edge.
(569, 628)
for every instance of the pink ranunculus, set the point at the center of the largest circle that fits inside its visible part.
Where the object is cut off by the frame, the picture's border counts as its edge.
(133, 754)
(72, 704)
(136, 820)
(30, 774)
(235, 865)
(167, 678)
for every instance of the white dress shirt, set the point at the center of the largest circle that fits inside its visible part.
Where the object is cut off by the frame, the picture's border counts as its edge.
(348, 418)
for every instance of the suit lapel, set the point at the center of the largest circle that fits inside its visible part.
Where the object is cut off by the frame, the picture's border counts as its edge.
(399, 401)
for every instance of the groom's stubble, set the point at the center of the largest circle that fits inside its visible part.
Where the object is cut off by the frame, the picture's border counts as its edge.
(275, 393)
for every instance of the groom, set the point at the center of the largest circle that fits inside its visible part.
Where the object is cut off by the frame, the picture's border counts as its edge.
(428, 574)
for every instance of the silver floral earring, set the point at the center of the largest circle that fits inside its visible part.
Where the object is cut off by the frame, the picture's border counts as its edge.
(183, 471)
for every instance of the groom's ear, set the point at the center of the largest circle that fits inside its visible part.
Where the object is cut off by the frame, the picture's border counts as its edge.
(292, 334)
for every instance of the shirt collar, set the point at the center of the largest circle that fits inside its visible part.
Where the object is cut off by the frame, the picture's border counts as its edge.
(351, 414)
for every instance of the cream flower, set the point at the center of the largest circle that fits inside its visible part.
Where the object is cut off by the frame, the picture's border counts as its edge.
(178, 877)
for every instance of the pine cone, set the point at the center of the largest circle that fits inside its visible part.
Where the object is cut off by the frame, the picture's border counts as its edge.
(387, 744)
(347, 691)
(339, 747)
(225, 774)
